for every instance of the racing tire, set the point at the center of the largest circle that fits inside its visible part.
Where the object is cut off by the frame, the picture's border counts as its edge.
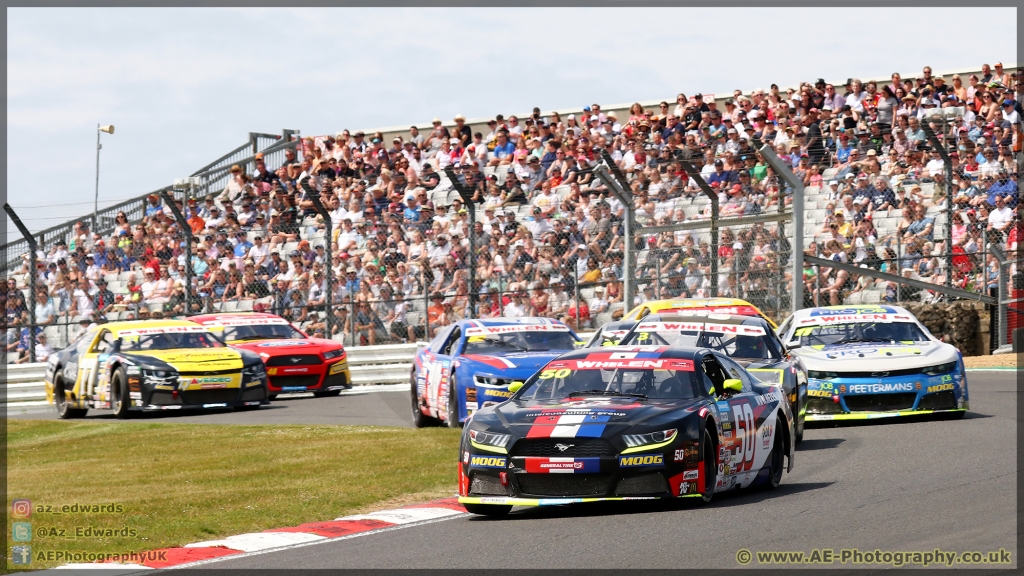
(488, 509)
(776, 461)
(419, 419)
(710, 469)
(60, 400)
(452, 411)
(120, 398)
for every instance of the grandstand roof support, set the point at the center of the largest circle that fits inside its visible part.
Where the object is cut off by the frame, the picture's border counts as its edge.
(186, 230)
(693, 173)
(314, 196)
(798, 221)
(33, 256)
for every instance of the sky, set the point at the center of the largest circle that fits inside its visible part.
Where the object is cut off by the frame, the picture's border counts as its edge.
(185, 86)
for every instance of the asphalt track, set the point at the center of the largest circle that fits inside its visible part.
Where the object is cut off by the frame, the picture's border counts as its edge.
(890, 486)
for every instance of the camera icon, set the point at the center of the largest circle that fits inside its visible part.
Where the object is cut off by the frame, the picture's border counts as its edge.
(21, 508)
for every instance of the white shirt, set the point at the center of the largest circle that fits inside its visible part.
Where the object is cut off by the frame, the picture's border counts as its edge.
(934, 166)
(999, 216)
(259, 254)
(84, 301)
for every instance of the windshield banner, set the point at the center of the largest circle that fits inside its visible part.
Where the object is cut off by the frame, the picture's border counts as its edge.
(164, 330)
(854, 319)
(700, 327)
(496, 330)
(594, 362)
(228, 321)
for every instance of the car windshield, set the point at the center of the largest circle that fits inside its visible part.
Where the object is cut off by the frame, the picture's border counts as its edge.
(572, 380)
(261, 332)
(880, 332)
(519, 341)
(728, 339)
(163, 341)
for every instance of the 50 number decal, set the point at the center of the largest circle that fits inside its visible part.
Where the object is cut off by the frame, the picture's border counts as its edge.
(744, 418)
(561, 373)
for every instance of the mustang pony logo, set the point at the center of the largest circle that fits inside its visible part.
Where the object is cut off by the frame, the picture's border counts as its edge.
(563, 447)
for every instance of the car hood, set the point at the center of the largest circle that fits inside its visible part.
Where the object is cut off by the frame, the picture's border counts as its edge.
(193, 359)
(286, 346)
(868, 356)
(514, 365)
(605, 414)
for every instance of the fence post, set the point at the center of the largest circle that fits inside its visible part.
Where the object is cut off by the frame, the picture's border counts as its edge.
(783, 172)
(33, 273)
(694, 174)
(576, 290)
(1003, 296)
(426, 306)
(351, 316)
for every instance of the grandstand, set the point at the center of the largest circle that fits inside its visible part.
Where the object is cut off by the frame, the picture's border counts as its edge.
(551, 237)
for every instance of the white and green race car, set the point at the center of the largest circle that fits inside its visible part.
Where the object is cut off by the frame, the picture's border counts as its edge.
(867, 362)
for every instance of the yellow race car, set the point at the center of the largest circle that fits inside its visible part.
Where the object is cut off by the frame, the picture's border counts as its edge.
(152, 365)
(730, 306)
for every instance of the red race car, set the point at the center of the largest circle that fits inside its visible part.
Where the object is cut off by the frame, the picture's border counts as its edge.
(295, 362)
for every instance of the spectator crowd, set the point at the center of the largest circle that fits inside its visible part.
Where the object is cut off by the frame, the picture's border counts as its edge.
(549, 235)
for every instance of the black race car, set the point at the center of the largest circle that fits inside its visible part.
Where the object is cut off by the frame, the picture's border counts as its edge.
(749, 340)
(626, 422)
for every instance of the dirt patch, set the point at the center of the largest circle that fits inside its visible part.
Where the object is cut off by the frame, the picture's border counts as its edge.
(998, 361)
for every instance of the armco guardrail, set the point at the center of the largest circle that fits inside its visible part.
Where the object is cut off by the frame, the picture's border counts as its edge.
(370, 365)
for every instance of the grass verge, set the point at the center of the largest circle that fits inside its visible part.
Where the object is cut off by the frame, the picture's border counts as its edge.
(181, 483)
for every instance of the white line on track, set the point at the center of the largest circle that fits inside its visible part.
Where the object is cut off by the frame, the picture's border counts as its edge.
(314, 543)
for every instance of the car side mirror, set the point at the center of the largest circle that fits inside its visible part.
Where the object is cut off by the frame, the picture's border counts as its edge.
(793, 345)
(733, 385)
(515, 386)
(579, 344)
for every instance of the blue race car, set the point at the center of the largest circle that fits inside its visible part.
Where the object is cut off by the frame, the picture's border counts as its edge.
(470, 364)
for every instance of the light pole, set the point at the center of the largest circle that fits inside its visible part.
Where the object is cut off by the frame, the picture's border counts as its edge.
(109, 129)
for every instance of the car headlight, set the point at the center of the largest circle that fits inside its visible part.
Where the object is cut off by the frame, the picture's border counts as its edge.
(939, 369)
(638, 440)
(819, 375)
(159, 374)
(491, 381)
(480, 438)
(331, 355)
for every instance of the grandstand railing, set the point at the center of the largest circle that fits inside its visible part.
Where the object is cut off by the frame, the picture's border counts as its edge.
(212, 175)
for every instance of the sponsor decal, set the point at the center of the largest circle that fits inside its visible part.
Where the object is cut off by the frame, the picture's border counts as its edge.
(295, 370)
(821, 393)
(135, 395)
(497, 393)
(563, 465)
(293, 389)
(337, 368)
(486, 330)
(727, 433)
(470, 395)
(726, 425)
(282, 344)
(220, 405)
(878, 388)
(826, 320)
(133, 384)
(568, 424)
(768, 398)
(163, 387)
(163, 330)
(690, 475)
(939, 388)
(465, 457)
(870, 309)
(684, 487)
(700, 327)
(635, 461)
(487, 461)
(244, 321)
(766, 436)
(684, 308)
(679, 456)
(132, 370)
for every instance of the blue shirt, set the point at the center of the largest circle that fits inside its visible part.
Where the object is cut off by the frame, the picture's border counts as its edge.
(1003, 188)
(412, 214)
(154, 210)
(242, 249)
(843, 153)
(502, 151)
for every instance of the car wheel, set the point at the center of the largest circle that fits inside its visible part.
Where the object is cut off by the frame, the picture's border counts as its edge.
(60, 399)
(419, 419)
(452, 413)
(710, 468)
(777, 461)
(488, 509)
(120, 400)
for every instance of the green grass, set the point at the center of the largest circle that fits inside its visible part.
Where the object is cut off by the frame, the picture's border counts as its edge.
(181, 483)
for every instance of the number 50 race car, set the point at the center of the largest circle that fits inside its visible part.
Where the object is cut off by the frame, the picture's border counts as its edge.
(626, 422)
(295, 362)
(470, 364)
(152, 365)
(867, 362)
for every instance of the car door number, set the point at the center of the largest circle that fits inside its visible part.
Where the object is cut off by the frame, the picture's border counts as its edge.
(743, 417)
(435, 376)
